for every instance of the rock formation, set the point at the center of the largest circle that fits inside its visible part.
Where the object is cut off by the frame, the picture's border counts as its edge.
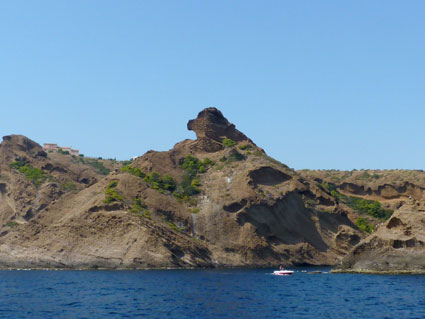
(210, 202)
(398, 246)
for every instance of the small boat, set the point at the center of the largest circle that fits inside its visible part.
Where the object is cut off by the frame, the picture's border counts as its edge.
(283, 272)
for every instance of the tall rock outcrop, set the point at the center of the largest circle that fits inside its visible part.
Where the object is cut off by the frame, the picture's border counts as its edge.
(211, 128)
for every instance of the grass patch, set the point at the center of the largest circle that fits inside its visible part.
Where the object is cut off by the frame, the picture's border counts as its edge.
(12, 224)
(35, 175)
(69, 186)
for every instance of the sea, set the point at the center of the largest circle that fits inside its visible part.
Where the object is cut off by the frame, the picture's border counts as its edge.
(209, 293)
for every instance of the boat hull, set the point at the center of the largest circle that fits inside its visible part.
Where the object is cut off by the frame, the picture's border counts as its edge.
(283, 272)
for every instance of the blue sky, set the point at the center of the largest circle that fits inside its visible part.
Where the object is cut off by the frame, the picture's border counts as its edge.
(317, 84)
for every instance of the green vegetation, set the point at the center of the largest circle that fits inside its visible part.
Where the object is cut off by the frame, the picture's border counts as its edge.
(228, 142)
(133, 171)
(35, 175)
(155, 180)
(140, 209)
(111, 194)
(161, 183)
(362, 224)
(235, 156)
(370, 207)
(69, 186)
(330, 188)
(367, 176)
(191, 166)
(258, 153)
(173, 226)
(12, 224)
(127, 162)
(100, 168)
(245, 147)
(194, 210)
(190, 184)
(61, 151)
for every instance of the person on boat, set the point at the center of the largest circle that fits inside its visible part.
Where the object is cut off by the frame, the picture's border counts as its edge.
(281, 267)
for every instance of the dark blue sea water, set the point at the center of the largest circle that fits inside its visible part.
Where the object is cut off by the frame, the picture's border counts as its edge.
(252, 293)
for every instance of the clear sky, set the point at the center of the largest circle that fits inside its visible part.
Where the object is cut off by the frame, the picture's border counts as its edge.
(317, 84)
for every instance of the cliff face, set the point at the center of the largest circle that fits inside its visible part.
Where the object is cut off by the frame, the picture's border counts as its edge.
(214, 201)
(392, 188)
(398, 246)
(395, 245)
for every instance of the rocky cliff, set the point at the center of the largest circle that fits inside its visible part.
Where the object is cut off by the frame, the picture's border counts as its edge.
(218, 200)
(396, 241)
(397, 246)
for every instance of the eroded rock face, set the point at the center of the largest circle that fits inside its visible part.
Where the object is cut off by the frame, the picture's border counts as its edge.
(398, 246)
(248, 210)
(21, 198)
(211, 127)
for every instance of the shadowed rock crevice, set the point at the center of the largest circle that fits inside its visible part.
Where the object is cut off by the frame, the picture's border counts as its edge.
(268, 176)
(287, 222)
(236, 206)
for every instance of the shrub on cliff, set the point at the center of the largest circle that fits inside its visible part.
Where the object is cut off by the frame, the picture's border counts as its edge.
(228, 142)
(159, 182)
(191, 166)
(35, 175)
(101, 169)
(362, 224)
(133, 171)
(111, 194)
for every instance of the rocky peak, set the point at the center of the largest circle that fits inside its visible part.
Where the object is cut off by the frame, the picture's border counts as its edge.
(20, 143)
(212, 124)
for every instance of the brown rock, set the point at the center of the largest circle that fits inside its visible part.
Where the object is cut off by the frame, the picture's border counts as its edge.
(398, 246)
(249, 210)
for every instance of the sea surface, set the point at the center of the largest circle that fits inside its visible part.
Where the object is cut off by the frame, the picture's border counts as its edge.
(235, 293)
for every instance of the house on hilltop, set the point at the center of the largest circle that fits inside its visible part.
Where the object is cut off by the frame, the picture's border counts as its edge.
(50, 147)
